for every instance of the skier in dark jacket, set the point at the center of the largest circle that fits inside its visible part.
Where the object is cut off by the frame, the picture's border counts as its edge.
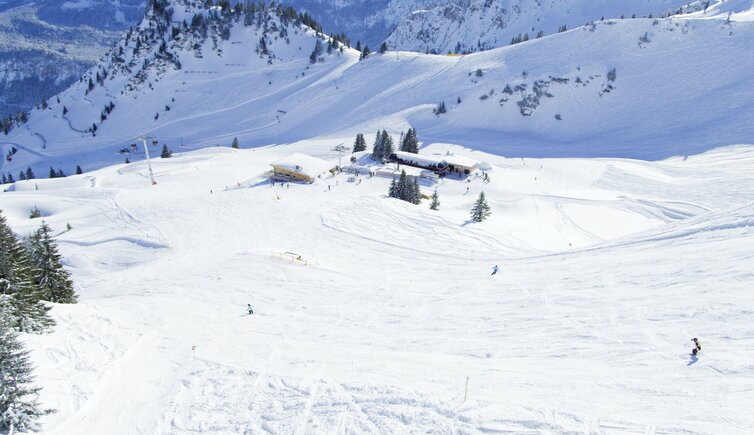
(697, 346)
(494, 270)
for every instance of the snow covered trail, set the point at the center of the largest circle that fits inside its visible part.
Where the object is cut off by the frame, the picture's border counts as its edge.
(396, 306)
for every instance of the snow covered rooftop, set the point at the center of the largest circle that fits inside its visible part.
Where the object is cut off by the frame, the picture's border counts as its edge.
(419, 159)
(303, 164)
(456, 160)
(411, 171)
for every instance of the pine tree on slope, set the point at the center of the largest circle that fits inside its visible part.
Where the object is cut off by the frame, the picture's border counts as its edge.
(51, 279)
(360, 144)
(415, 197)
(377, 148)
(481, 209)
(393, 192)
(404, 187)
(387, 144)
(410, 143)
(17, 282)
(19, 408)
(435, 204)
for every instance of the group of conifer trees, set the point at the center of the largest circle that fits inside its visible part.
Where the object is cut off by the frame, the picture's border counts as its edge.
(383, 145)
(405, 189)
(31, 272)
(28, 174)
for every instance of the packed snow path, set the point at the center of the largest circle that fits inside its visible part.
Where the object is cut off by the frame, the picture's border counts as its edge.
(608, 269)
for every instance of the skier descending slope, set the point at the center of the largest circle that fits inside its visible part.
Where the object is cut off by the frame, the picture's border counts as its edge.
(494, 270)
(697, 346)
(248, 308)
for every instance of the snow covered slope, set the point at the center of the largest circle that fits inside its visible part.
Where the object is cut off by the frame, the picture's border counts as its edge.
(608, 268)
(372, 314)
(644, 88)
(472, 25)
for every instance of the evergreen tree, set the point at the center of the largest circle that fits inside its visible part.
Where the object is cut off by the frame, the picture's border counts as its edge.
(127, 161)
(378, 147)
(35, 213)
(52, 280)
(21, 175)
(416, 194)
(441, 108)
(481, 209)
(393, 192)
(78, 170)
(360, 144)
(365, 53)
(65, 110)
(235, 143)
(387, 144)
(166, 153)
(316, 52)
(435, 204)
(358, 46)
(27, 313)
(53, 174)
(410, 143)
(383, 48)
(404, 187)
(19, 408)
(405, 190)
(29, 173)
(60, 173)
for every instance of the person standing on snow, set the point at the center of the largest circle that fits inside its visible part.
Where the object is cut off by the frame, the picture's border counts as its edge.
(248, 308)
(494, 270)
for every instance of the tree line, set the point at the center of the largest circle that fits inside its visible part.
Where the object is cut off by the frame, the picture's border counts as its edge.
(31, 274)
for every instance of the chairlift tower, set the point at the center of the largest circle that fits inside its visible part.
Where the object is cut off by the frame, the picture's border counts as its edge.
(341, 149)
(149, 162)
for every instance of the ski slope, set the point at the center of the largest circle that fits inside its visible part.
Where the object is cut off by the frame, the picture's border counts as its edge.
(608, 268)
(622, 230)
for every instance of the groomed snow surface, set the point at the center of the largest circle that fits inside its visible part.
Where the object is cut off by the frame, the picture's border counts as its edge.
(608, 269)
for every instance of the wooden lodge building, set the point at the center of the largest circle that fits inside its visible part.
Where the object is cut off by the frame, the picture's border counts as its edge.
(300, 167)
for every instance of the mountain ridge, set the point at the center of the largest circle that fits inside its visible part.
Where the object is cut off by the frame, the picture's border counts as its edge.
(530, 99)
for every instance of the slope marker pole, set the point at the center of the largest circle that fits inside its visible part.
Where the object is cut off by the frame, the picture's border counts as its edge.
(465, 394)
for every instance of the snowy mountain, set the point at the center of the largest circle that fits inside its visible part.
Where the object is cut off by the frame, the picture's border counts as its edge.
(46, 45)
(618, 166)
(180, 84)
(464, 26)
